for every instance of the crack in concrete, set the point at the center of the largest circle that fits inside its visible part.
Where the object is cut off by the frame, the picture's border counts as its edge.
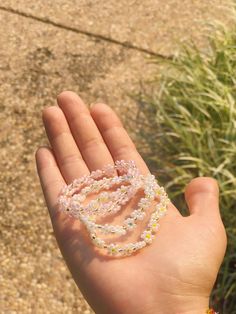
(126, 44)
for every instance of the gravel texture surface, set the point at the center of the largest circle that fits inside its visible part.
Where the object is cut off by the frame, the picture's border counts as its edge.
(151, 24)
(37, 61)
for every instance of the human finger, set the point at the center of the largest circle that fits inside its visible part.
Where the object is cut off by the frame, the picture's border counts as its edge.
(115, 136)
(85, 132)
(202, 196)
(50, 177)
(67, 154)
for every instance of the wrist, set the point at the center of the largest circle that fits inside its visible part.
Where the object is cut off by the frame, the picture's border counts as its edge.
(184, 305)
(164, 305)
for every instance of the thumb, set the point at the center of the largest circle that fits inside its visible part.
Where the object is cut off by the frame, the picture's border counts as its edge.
(202, 196)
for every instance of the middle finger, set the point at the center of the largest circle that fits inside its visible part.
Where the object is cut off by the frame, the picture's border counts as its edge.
(85, 132)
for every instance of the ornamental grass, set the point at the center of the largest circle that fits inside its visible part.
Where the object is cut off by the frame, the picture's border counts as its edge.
(186, 127)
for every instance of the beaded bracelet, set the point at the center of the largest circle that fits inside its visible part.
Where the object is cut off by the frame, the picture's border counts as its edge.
(211, 311)
(128, 182)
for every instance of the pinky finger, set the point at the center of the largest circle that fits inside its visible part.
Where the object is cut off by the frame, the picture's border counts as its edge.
(50, 177)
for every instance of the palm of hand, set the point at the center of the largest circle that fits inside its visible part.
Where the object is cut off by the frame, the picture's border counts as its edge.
(177, 270)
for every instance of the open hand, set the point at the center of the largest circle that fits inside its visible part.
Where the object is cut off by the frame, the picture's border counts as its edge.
(176, 273)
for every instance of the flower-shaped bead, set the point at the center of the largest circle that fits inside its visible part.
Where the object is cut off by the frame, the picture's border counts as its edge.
(162, 211)
(138, 214)
(113, 249)
(155, 215)
(129, 248)
(99, 243)
(129, 223)
(153, 225)
(147, 236)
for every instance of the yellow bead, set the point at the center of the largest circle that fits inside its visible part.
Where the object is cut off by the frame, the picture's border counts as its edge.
(103, 199)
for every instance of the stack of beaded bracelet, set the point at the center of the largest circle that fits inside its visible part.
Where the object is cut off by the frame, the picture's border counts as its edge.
(128, 182)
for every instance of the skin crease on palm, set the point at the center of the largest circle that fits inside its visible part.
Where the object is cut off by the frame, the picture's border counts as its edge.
(176, 273)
